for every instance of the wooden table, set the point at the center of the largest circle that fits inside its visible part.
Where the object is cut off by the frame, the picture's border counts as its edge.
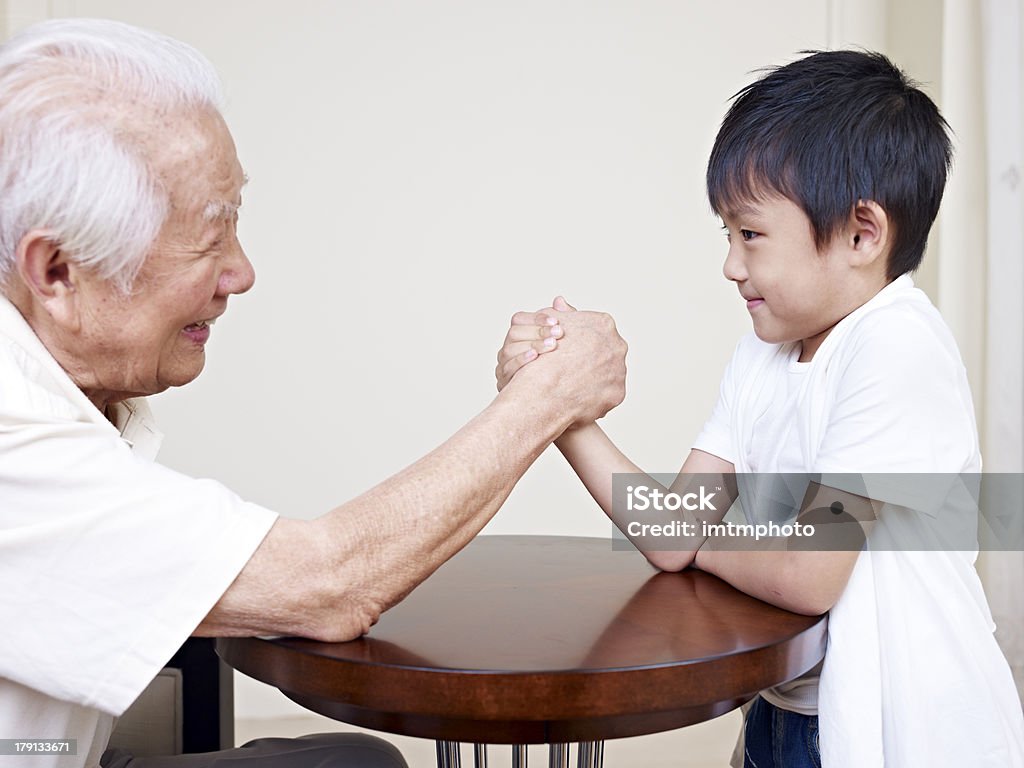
(539, 639)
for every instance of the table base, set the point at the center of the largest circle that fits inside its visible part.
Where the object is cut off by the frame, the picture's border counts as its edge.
(467, 731)
(589, 754)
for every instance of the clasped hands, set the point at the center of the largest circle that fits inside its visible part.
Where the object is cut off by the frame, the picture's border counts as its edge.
(589, 371)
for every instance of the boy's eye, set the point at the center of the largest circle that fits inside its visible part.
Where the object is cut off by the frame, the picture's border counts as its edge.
(747, 234)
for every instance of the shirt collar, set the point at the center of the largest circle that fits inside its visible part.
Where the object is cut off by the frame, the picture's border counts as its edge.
(132, 418)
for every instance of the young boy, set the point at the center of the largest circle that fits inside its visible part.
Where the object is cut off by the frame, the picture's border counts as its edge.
(827, 174)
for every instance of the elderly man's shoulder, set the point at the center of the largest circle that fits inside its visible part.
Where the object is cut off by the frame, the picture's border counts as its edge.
(30, 388)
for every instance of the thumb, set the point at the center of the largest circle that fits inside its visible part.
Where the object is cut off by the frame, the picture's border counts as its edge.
(562, 305)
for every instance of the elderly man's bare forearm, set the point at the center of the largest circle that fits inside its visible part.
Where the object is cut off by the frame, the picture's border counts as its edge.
(332, 577)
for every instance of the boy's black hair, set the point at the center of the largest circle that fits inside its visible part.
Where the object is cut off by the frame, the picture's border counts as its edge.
(829, 130)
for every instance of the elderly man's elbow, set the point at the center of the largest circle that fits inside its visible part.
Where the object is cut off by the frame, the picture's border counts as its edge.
(349, 622)
(340, 605)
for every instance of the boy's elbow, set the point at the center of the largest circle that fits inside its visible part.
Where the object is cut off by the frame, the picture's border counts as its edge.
(809, 605)
(673, 562)
(810, 597)
(822, 601)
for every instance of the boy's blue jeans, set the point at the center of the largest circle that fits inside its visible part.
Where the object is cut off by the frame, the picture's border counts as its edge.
(776, 738)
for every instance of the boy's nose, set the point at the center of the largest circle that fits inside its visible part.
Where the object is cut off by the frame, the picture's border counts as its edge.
(734, 269)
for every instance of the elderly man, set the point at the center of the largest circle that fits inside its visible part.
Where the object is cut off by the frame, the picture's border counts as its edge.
(119, 196)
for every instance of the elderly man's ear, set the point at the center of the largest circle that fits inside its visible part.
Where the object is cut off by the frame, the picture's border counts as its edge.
(49, 277)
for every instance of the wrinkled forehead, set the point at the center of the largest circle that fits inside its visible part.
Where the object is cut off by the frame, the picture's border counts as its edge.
(192, 156)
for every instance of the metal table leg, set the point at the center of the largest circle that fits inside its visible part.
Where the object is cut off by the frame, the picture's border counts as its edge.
(590, 754)
(448, 754)
(585, 754)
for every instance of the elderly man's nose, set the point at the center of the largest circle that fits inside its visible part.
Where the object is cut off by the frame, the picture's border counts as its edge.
(238, 275)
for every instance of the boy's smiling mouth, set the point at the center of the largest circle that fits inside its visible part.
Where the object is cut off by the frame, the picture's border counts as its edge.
(752, 301)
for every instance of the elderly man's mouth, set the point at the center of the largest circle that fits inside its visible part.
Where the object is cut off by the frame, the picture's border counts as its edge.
(198, 332)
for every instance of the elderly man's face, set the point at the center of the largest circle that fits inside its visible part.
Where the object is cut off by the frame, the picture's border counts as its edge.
(154, 338)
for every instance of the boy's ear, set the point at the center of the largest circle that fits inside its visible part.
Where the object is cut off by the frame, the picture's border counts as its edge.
(49, 276)
(868, 235)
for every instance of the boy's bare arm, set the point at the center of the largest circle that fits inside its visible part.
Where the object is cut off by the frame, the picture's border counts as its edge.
(806, 582)
(803, 581)
(590, 452)
(596, 459)
(805, 576)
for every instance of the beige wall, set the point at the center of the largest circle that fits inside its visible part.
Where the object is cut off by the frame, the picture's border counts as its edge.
(420, 171)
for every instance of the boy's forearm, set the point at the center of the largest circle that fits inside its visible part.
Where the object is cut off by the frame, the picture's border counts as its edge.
(792, 574)
(595, 459)
(802, 582)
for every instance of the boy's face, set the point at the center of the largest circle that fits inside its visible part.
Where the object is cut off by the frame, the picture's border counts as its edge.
(793, 291)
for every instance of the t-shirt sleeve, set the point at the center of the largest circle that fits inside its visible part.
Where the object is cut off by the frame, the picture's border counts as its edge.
(716, 436)
(902, 417)
(108, 562)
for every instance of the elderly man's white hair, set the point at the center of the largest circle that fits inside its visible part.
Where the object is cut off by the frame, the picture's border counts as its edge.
(72, 92)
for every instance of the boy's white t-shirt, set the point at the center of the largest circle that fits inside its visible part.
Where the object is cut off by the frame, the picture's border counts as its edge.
(885, 393)
(775, 447)
(108, 561)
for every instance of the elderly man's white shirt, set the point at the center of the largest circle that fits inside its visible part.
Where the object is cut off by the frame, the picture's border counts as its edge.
(108, 561)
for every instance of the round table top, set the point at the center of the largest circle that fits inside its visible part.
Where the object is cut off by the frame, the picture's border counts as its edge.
(534, 639)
